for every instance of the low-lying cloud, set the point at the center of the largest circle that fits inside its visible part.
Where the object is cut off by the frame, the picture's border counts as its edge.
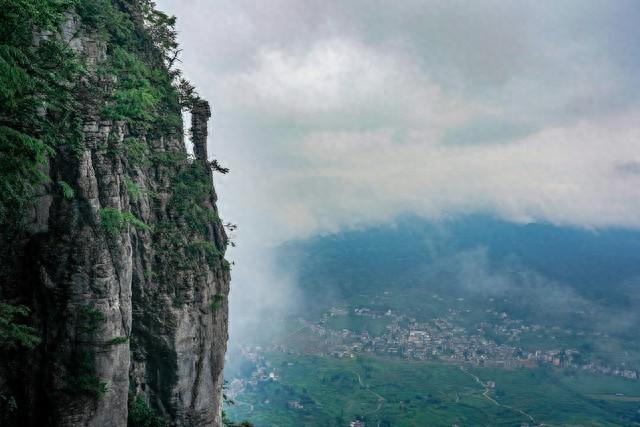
(542, 298)
(334, 115)
(347, 114)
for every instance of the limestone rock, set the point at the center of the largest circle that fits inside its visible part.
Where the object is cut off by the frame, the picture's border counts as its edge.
(131, 310)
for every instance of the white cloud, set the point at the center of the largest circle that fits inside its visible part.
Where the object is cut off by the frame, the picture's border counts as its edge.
(335, 114)
(565, 175)
(340, 83)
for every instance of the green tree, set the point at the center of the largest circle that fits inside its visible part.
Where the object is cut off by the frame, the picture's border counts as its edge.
(12, 332)
(37, 113)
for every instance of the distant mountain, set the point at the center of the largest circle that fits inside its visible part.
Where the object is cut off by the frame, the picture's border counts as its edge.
(542, 268)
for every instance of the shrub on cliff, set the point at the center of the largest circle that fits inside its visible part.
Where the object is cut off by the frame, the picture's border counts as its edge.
(141, 415)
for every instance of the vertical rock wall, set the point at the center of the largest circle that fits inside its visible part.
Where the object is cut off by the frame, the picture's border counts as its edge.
(131, 311)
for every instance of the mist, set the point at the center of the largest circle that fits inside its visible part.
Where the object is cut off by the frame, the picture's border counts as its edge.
(261, 297)
(343, 116)
(542, 273)
(533, 295)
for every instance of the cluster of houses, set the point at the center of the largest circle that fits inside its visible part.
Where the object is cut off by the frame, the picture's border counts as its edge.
(488, 343)
(441, 339)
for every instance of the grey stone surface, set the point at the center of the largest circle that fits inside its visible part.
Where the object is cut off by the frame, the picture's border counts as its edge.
(169, 340)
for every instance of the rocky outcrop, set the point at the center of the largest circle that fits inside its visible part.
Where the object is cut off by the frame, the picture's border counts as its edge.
(126, 279)
(200, 114)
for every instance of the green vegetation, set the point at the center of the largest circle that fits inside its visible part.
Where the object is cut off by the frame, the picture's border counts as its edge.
(170, 243)
(81, 375)
(115, 221)
(169, 159)
(8, 405)
(134, 99)
(47, 92)
(136, 151)
(101, 16)
(183, 244)
(118, 340)
(43, 87)
(141, 94)
(217, 302)
(132, 188)
(82, 381)
(67, 191)
(191, 193)
(400, 393)
(12, 333)
(229, 423)
(146, 97)
(226, 421)
(38, 113)
(209, 249)
(141, 415)
(89, 319)
(382, 272)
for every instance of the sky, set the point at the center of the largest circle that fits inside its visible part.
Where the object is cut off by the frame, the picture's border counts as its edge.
(341, 114)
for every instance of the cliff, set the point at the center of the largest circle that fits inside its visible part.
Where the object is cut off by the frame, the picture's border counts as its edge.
(113, 296)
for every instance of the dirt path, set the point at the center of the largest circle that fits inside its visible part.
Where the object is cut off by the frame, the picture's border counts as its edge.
(486, 391)
(381, 399)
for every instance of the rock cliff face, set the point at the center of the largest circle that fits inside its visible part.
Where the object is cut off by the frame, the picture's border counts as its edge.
(125, 278)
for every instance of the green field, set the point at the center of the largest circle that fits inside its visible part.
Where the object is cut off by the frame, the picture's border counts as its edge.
(480, 281)
(400, 393)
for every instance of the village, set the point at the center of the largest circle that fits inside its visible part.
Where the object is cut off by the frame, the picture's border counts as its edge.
(439, 339)
(492, 342)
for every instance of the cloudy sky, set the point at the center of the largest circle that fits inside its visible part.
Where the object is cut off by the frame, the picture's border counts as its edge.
(334, 114)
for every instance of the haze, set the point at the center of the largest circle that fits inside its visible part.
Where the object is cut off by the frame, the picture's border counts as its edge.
(338, 115)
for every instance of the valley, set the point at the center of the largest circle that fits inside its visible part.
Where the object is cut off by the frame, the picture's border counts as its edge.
(386, 368)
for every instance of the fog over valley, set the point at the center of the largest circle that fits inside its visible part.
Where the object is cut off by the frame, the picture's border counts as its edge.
(319, 213)
(466, 174)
